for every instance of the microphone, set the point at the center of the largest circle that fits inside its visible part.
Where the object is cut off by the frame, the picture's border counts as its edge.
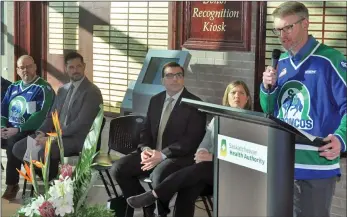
(276, 53)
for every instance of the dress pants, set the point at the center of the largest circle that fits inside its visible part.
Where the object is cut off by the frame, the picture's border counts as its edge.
(70, 149)
(189, 182)
(313, 198)
(12, 176)
(127, 172)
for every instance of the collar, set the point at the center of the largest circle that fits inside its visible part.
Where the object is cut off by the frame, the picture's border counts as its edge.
(305, 50)
(23, 84)
(76, 84)
(176, 96)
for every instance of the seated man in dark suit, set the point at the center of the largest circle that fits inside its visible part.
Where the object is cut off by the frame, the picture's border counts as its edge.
(77, 103)
(170, 137)
(23, 109)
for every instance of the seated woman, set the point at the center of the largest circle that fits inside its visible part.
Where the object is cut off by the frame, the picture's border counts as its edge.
(190, 181)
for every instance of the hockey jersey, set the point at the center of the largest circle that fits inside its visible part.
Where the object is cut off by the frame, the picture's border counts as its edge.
(310, 95)
(26, 107)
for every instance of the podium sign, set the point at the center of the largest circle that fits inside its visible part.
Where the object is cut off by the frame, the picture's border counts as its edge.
(253, 164)
(243, 153)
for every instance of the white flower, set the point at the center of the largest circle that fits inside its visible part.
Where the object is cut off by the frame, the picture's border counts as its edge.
(62, 196)
(33, 207)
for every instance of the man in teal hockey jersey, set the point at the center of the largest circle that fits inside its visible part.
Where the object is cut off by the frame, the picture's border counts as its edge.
(308, 90)
(23, 110)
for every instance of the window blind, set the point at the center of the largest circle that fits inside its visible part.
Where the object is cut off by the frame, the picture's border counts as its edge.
(63, 19)
(119, 49)
(328, 22)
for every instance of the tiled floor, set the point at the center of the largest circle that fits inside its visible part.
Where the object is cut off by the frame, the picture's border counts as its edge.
(97, 194)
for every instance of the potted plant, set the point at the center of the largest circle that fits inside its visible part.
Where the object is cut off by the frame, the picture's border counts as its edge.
(66, 195)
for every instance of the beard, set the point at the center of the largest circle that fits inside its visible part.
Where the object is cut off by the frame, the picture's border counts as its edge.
(293, 49)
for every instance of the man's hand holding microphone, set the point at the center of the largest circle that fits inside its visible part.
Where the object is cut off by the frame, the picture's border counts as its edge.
(270, 74)
(269, 77)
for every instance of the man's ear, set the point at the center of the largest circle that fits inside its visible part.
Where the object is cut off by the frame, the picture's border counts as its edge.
(306, 23)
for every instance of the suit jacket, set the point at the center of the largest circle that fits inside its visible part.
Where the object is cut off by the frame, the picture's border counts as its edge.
(84, 107)
(184, 130)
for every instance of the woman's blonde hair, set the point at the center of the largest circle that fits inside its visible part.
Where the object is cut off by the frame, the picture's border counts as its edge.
(233, 84)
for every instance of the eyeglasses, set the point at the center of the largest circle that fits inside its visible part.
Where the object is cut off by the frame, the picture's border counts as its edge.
(25, 67)
(171, 75)
(286, 29)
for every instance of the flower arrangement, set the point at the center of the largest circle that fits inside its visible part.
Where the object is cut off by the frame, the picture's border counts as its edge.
(66, 195)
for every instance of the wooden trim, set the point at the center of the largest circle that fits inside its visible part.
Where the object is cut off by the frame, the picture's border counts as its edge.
(200, 44)
(259, 52)
(28, 32)
(44, 23)
(16, 38)
(173, 6)
(2, 27)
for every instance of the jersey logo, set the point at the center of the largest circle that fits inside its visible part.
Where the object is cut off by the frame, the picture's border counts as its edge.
(310, 72)
(294, 105)
(17, 109)
(343, 64)
(283, 72)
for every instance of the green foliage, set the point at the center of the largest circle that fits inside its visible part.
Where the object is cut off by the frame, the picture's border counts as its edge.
(82, 175)
(83, 172)
(93, 211)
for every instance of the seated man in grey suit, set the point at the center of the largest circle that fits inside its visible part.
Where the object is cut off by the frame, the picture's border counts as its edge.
(77, 103)
(171, 134)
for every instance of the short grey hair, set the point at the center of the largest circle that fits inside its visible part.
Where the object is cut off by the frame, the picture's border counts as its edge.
(291, 8)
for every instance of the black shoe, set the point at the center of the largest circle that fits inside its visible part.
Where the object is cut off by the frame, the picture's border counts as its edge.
(10, 192)
(142, 200)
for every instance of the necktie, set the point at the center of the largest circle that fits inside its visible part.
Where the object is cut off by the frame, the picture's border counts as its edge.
(65, 108)
(163, 123)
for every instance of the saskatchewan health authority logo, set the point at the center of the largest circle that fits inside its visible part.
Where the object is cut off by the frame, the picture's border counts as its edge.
(223, 148)
(243, 153)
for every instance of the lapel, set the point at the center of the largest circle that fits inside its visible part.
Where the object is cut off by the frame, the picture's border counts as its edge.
(175, 109)
(157, 114)
(173, 112)
(63, 97)
(81, 89)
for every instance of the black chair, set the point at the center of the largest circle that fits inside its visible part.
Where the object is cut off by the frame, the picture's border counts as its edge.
(77, 154)
(124, 137)
(206, 197)
(98, 146)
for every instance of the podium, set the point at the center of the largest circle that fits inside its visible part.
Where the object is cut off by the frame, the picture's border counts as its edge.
(253, 162)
